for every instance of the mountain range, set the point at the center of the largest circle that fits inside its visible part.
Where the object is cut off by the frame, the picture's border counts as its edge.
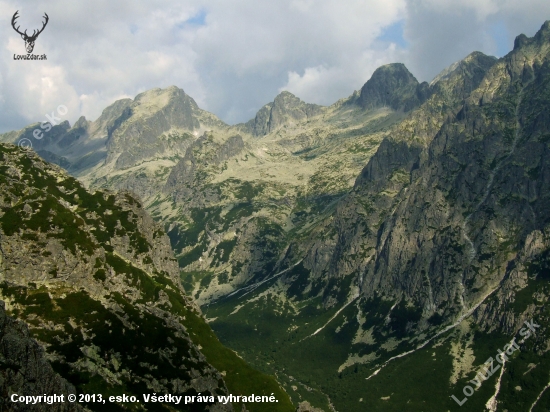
(368, 255)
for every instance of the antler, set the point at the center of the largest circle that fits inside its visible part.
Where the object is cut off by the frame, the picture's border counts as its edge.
(15, 17)
(34, 33)
(34, 36)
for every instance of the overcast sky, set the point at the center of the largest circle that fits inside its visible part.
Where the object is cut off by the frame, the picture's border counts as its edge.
(233, 56)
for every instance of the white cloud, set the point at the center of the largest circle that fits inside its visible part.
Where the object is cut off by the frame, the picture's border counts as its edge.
(240, 55)
(249, 48)
(481, 8)
(324, 85)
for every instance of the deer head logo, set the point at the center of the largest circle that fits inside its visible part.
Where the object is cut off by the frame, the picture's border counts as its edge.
(29, 40)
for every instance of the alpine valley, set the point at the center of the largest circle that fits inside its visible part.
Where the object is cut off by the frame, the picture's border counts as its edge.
(390, 252)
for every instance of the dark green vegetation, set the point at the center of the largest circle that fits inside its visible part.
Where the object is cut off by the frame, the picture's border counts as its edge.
(116, 344)
(41, 210)
(277, 338)
(240, 377)
(112, 347)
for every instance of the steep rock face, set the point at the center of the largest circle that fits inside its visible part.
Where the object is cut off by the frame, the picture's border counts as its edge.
(394, 86)
(285, 109)
(111, 118)
(403, 145)
(469, 188)
(361, 214)
(157, 122)
(25, 370)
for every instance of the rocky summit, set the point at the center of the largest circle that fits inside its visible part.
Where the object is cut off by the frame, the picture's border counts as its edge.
(389, 252)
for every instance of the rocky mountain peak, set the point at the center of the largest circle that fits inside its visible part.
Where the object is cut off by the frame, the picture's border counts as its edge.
(287, 99)
(158, 98)
(544, 29)
(81, 123)
(542, 36)
(152, 113)
(462, 77)
(110, 113)
(285, 109)
(520, 41)
(478, 58)
(393, 86)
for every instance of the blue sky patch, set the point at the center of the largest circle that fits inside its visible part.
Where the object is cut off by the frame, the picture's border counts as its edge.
(501, 36)
(394, 34)
(198, 19)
